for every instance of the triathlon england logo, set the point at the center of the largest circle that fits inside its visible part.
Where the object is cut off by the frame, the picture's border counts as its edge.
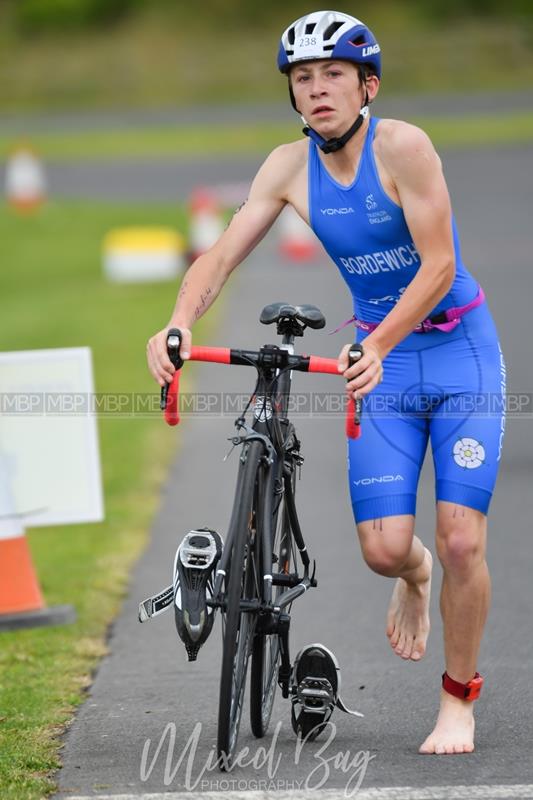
(375, 217)
(468, 453)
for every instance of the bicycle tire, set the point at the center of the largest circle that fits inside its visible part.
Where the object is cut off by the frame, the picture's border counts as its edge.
(265, 647)
(239, 625)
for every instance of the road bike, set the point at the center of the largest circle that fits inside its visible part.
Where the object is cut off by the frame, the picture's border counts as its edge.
(264, 564)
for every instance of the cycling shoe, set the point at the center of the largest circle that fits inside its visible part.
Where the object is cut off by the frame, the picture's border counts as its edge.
(315, 689)
(194, 565)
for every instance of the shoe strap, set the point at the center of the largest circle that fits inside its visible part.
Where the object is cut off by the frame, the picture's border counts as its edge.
(342, 707)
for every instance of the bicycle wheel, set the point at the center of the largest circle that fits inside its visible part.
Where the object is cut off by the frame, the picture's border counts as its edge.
(238, 625)
(265, 648)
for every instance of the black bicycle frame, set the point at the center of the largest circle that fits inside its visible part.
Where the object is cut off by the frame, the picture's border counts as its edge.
(270, 414)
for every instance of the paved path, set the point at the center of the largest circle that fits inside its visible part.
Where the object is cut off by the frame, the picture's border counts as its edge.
(146, 684)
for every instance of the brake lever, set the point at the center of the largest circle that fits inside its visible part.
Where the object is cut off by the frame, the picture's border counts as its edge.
(173, 350)
(355, 354)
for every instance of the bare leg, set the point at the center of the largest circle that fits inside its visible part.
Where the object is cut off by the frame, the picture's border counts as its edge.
(408, 616)
(391, 549)
(464, 603)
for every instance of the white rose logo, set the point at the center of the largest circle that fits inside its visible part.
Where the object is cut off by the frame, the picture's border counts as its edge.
(468, 453)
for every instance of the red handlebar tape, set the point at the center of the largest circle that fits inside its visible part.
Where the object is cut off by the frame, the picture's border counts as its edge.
(326, 365)
(221, 355)
(172, 412)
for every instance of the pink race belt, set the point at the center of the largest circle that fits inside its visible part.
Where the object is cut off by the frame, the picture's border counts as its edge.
(443, 321)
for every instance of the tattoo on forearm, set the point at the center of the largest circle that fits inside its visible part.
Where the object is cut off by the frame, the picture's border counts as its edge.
(237, 211)
(183, 289)
(203, 304)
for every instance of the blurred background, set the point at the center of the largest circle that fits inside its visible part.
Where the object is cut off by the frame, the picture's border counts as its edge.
(61, 54)
(129, 130)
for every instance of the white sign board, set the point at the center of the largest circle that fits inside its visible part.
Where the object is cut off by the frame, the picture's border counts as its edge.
(49, 450)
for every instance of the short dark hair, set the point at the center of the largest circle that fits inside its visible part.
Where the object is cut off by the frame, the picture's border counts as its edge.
(365, 71)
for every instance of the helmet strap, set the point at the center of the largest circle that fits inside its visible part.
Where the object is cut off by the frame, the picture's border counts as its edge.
(336, 143)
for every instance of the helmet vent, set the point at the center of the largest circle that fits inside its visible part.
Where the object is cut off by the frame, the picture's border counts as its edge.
(332, 29)
(359, 40)
(309, 28)
(329, 47)
(290, 35)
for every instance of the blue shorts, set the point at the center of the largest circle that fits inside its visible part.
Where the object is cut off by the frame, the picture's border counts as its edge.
(447, 387)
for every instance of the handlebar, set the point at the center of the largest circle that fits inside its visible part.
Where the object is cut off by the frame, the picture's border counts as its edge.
(269, 356)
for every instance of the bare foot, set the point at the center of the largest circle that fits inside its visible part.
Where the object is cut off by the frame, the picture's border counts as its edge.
(408, 615)
(454, 731)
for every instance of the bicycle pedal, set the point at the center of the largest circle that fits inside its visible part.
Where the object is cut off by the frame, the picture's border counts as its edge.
(194, 564)
(315, 690)
(200, 549)
(315, 694)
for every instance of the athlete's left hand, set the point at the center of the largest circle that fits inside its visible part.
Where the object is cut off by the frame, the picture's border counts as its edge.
(365, 374)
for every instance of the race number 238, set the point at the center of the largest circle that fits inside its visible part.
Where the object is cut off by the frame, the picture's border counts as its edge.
(307, 41)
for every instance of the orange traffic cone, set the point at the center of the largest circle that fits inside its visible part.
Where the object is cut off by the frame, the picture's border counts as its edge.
(297, 241)
(21, 601)
(205, 222)
(25, 182)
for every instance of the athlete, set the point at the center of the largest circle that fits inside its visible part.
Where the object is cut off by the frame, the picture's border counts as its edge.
(374, 192)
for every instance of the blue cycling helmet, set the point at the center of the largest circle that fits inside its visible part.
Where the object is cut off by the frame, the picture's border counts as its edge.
(329, 34)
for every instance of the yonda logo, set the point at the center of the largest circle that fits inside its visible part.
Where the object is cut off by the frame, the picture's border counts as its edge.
(378, 479)
(332, 211)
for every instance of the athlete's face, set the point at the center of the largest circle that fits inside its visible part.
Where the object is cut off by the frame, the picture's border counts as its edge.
(329, 94)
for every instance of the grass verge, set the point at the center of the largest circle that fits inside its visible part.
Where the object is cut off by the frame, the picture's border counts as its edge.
(54, 294)
(225, 140)
(177, 56)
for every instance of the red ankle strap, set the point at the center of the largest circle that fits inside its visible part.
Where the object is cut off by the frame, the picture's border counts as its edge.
(465, 691)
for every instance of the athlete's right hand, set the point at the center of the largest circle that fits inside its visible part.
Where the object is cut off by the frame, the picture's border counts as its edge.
(159, 363)
(365, 374)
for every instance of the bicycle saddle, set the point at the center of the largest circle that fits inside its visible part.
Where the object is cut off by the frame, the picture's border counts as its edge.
(311, 316)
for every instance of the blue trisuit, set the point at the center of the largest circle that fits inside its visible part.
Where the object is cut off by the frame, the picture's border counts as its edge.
(445, 386)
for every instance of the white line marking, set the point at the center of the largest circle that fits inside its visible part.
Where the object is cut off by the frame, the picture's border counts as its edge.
(501, 792)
